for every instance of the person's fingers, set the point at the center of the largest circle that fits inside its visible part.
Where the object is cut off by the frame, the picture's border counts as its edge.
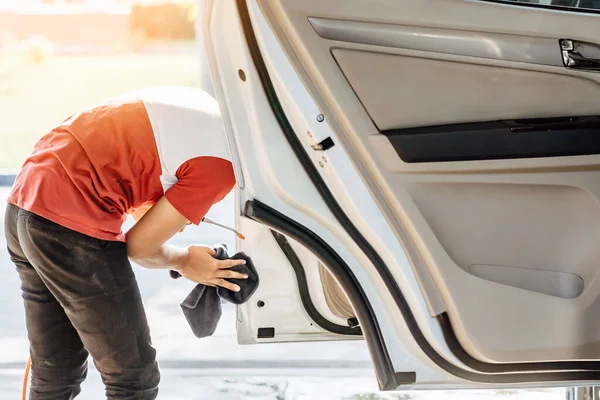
(226, 284)
(226, 264)
(228, 274)
(210, 251)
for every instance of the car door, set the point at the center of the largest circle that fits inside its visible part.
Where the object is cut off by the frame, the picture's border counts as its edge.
(436, 162)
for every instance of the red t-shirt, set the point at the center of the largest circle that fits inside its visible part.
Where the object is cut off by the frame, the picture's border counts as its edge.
(101, 164)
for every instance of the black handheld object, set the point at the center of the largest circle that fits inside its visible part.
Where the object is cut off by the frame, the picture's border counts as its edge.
(202, 307)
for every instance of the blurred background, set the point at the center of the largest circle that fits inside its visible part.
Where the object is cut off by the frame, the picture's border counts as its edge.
(59, 56)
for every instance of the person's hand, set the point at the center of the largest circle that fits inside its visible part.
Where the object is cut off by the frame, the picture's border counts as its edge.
(199, 266)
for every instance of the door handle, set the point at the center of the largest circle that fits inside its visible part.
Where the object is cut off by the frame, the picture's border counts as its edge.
(573, 59)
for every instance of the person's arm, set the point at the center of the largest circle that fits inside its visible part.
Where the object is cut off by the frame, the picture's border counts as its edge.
(146, 239)
(140, 212)
(146, 246)
(202, 182)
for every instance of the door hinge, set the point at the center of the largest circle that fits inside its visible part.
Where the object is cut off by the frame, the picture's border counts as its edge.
(325, 144)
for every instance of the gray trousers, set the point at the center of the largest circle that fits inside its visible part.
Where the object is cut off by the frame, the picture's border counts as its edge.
(81, 298)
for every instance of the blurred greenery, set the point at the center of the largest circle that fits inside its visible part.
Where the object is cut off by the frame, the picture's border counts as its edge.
(36, 97)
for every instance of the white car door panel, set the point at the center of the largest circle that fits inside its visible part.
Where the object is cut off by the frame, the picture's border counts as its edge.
(289, 188)
(440, 159)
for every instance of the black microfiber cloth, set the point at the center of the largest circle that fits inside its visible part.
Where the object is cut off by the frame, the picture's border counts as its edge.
(202, 307)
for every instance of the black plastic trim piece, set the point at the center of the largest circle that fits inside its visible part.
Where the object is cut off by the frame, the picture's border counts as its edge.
(381, 360)
(325, 144)
(266, 333)
(353, 322)
(307, 302)
(493, 140)
(544, 6)
(406, 378)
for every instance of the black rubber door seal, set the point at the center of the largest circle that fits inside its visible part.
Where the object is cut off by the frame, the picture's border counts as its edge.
(307, 302)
